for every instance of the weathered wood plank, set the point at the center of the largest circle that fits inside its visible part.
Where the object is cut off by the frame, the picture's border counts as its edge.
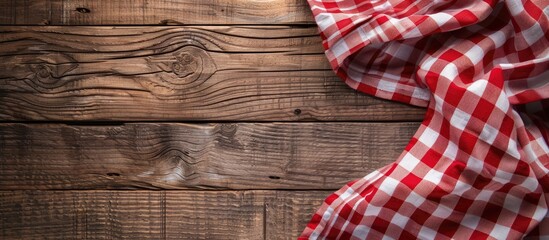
(132, 214)
(249, 73)
(179, 156)
(288, 212)
(139, 12)
(156, 214)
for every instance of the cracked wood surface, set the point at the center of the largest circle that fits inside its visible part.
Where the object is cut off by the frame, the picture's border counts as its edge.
(177, 73)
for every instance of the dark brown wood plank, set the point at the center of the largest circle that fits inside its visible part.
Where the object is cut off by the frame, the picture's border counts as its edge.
(177, 73)
(132, 214)
(288, 212)
(139, 12)
(179, 156)
(156, 214)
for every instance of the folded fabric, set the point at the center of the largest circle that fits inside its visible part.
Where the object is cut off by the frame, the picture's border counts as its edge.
(477, 167)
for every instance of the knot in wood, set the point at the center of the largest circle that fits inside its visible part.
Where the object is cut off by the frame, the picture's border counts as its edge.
(186, 65)
(47, 70)
(43, 74)
(192, 64)
(42, 71)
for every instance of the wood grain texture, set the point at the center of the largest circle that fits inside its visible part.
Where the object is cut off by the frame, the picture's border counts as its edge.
(179, 156)
(177, 73)
(265, 64)
(288, 212)
(156, 214)
(146, 12)
(132, 214)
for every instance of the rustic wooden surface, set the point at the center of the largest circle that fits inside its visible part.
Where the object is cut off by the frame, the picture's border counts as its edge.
(175, 156)
(177, 119)
(157, 12)
(177, 73)
(156, 214)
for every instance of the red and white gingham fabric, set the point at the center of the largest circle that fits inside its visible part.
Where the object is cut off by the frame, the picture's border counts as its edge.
(477, 167)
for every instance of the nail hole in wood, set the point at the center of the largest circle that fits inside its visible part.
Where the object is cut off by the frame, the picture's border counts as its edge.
(274, 177)
(113, 174)
(297, 111)
(83, 10)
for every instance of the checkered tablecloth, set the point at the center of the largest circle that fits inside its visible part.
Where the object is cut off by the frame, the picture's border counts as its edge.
(478, 166)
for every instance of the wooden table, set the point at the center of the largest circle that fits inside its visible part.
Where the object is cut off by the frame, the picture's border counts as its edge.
(186, 119)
